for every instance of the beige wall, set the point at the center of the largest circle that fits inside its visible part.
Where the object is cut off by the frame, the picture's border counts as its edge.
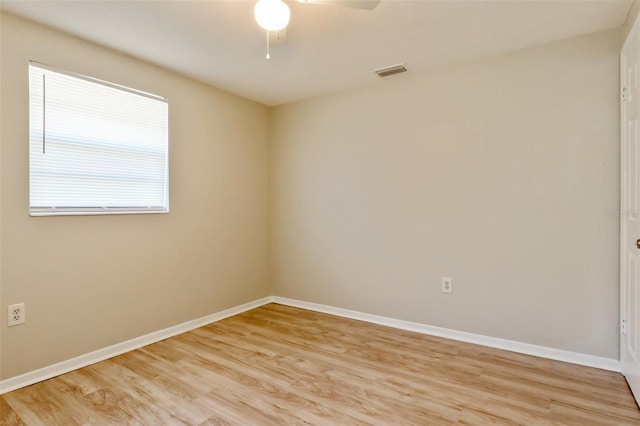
(89, 282)
(499, 173)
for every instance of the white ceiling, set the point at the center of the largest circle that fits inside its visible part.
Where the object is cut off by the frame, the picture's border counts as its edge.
(327, 48)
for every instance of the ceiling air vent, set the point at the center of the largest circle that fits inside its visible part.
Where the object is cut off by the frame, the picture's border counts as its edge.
(387, 71)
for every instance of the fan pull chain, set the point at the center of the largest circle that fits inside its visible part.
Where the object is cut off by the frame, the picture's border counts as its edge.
(268, 56)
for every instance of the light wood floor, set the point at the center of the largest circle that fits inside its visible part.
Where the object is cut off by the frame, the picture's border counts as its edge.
(281, 365)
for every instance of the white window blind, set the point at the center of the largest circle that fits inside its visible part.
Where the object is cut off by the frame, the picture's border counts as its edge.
(95, 147)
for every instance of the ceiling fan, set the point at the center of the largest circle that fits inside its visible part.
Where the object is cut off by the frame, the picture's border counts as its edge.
(274, 15)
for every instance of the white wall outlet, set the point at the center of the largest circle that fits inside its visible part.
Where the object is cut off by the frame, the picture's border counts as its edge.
(17, 314)
(447, 285)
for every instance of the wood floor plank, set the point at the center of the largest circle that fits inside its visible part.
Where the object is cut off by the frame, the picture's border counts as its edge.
(281, 365)
(8, 416)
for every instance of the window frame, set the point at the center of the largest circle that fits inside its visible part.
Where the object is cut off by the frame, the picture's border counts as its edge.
(94, 210)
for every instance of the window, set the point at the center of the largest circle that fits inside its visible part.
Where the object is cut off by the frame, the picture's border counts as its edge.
(95, 147)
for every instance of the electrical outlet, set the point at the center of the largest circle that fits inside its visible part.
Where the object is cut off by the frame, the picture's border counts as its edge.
(447, 285)
(17, 314)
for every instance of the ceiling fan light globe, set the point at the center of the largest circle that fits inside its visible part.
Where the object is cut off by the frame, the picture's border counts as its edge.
(272, 15)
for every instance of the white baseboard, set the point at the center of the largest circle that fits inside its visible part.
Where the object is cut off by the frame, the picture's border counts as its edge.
(493, 342)
(54, 370)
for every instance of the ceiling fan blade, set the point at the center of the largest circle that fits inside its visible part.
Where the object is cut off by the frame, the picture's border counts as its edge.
(354, 4)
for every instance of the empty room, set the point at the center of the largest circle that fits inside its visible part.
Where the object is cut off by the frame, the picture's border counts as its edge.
(326, 212)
